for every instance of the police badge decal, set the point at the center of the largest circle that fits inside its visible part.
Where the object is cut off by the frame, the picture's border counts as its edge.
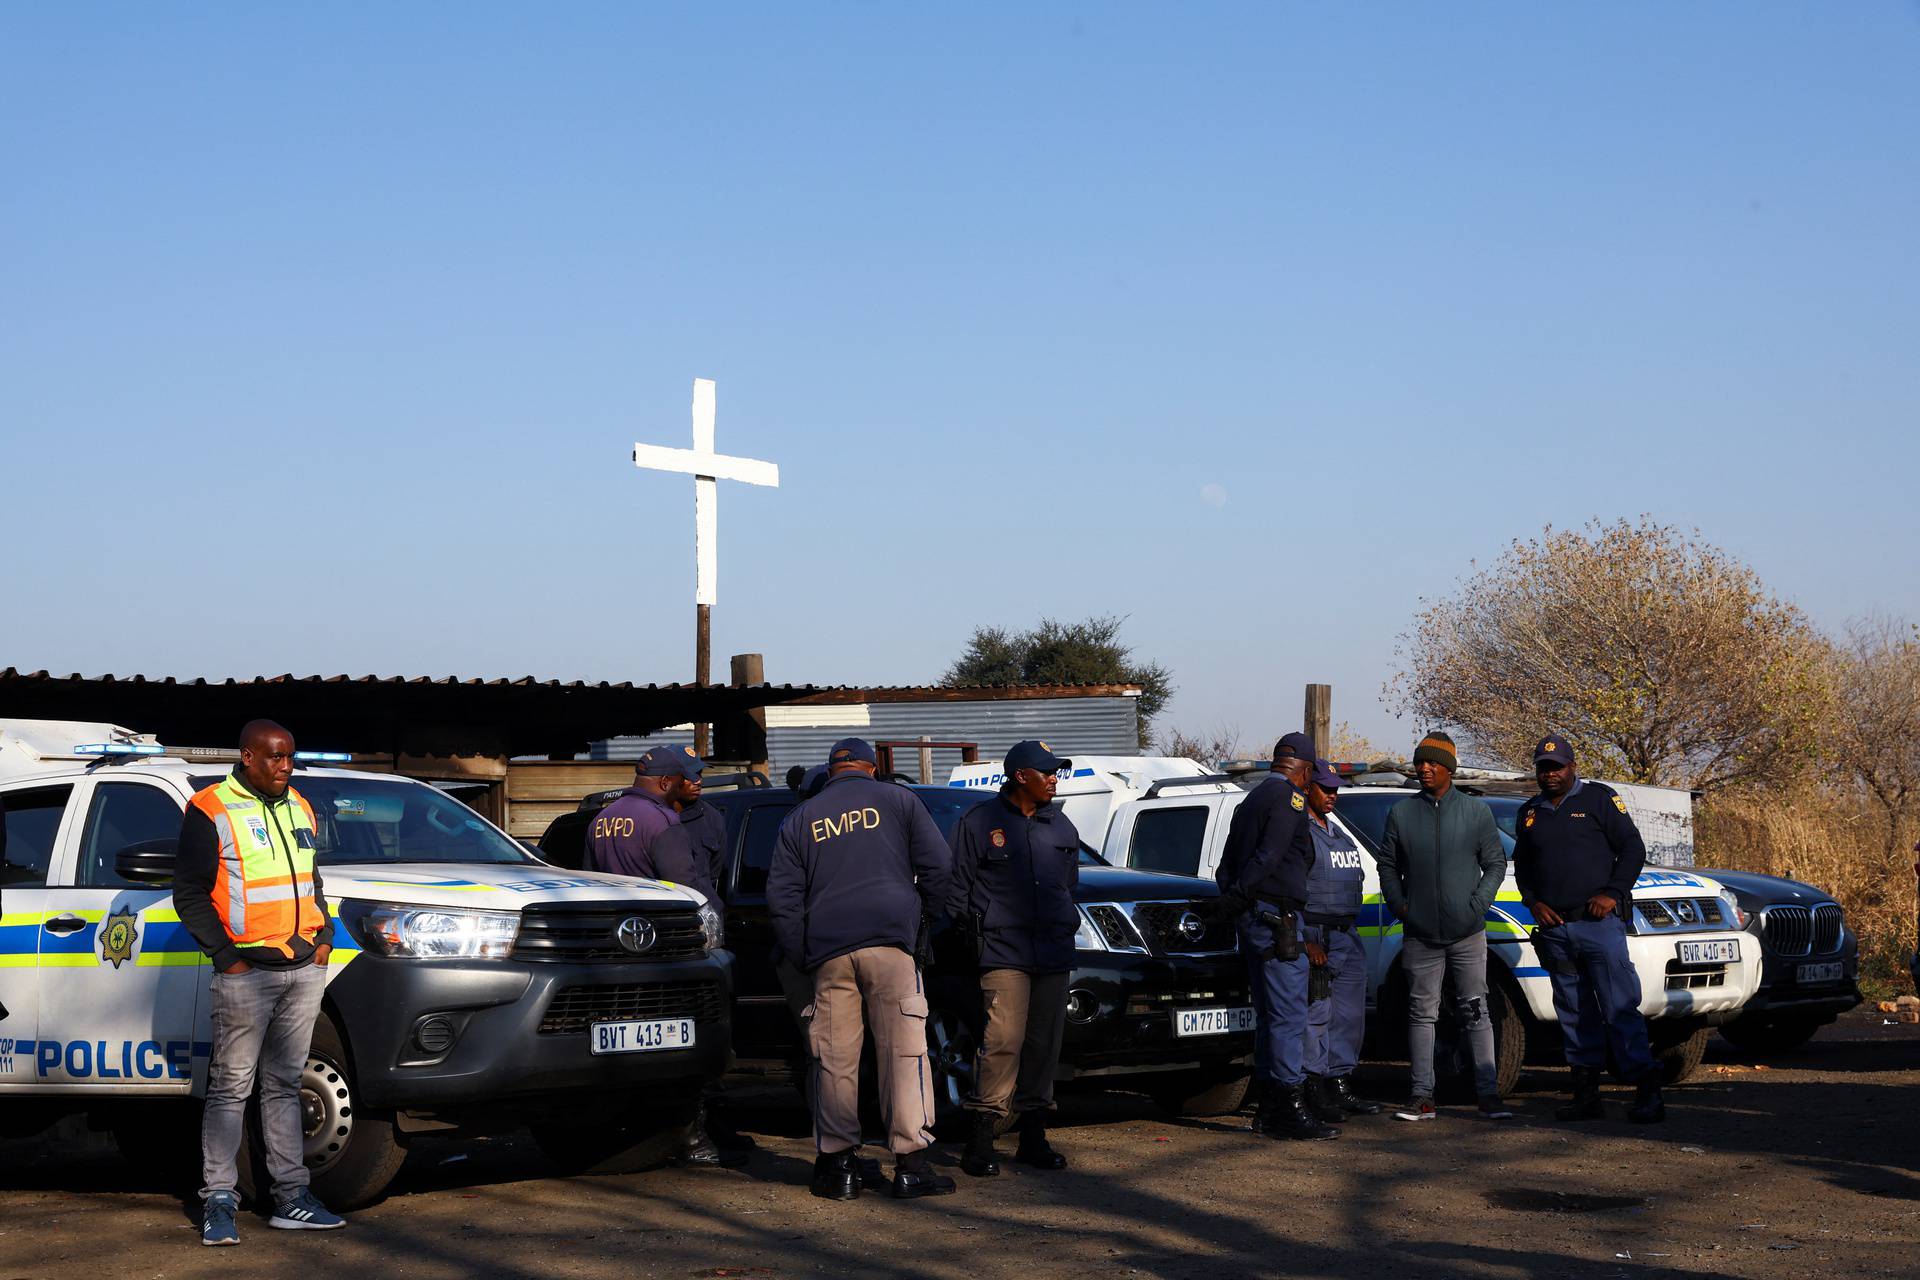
(117, 936)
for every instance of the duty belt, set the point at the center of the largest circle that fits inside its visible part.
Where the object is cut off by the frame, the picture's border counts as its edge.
(1342, 924)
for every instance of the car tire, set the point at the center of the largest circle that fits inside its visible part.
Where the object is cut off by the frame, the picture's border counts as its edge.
(1453, 1055)
(1680, 1059)
(1208, 1093)
(1763, 1038)
(641, 1139)
(351, 1152)
(952, 1046)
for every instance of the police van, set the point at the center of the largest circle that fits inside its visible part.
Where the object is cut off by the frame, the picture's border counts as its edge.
(1686, 936)
(471, 987)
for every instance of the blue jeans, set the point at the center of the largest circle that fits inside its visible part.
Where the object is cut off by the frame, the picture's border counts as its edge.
(262, 1026)
(1279, 989)
(1335, 1025)
(1428, 966)
(1599, 1003)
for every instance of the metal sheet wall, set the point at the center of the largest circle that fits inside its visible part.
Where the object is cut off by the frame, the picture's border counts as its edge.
(1092, 726)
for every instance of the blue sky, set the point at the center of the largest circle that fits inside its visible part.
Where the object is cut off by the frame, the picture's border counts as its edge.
(1254, 323)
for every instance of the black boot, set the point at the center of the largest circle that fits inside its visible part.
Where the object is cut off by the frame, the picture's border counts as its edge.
(701, 1152)
(1648, 1106)
(913, 1177)
(836, 1176)
(1323, 1105)
(979, 1160)
(1294, 1119)
(1585, 1103)
(1340, 1089)
(1034, 1148)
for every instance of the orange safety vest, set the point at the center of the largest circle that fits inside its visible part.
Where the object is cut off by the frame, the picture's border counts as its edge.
(263, 888)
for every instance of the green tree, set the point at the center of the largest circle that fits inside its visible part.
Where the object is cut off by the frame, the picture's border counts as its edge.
(1087, 652)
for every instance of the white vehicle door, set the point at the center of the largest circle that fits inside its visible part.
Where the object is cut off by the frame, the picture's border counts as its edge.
(36, 818)
(1156, 835)
(122, 979)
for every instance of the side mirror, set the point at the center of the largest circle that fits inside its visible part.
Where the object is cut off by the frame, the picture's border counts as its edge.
(147, 861)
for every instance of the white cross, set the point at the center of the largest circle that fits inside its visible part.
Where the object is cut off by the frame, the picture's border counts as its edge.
(706, 467)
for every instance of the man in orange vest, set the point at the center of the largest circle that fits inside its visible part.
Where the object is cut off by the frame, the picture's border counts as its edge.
(246, 887)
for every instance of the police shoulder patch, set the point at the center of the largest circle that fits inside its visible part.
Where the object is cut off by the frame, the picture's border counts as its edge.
(1620, 804)
(1529, 821)
(1297, 800)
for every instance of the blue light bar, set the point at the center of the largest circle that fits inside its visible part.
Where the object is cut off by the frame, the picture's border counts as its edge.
(119, 749)
(316, 757)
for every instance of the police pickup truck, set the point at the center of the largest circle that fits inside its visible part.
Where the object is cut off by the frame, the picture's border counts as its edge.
(471, 986)
(1686, 935)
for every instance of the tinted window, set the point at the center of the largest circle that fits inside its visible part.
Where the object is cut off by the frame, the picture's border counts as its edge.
(33, 820)
(393, 820)
(1168, 840)
(756, 848)
(948, 804)
(1366, 814)
(123, 813)
(1506, 809)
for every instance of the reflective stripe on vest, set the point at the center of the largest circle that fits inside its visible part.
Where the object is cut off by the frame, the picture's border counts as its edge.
(263, 889)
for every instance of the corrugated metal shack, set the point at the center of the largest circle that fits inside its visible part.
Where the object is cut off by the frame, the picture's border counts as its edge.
(1096, 719)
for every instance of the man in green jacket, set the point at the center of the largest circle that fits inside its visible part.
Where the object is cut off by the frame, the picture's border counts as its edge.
(1441, 865)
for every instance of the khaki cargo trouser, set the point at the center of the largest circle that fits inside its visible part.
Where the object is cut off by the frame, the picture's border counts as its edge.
(1026, 1019)
(877, 989)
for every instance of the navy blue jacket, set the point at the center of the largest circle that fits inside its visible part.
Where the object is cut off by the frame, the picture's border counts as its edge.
(856, 866)
(1563, 856)
(699, 842)
(1018, 874)
(621, 837)
(1268, 852)
(1334, 884)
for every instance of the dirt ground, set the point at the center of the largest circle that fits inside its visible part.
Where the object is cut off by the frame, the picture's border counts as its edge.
(1809, 1167)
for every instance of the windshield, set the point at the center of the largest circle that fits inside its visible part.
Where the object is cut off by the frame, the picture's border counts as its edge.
(1365, 813)
(370, 819)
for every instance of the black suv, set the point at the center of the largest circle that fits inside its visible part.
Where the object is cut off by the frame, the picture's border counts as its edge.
(1811, 960)
(1158, 1000)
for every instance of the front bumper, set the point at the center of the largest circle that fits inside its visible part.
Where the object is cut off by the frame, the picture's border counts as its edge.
(1131, 1002)
(513, 1041)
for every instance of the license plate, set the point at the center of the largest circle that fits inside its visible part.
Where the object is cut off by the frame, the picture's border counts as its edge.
(1709, 952)
(1211, 1022)
(640, 1037)
(1821, 972)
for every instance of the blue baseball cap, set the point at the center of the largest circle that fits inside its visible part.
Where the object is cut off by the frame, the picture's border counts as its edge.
(1324, 777)
(1552, 749)
(1298, 745)
(850, 749)
(811, 781)
(1034, 754)
(671, 762)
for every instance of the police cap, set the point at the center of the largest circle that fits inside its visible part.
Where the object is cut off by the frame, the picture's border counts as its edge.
(671, 762)
(1036, 755)
(1551, 749)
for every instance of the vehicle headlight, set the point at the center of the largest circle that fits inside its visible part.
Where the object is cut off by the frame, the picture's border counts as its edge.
(431, 933)
(713, 933)
(1087, 938)
(1734, 912)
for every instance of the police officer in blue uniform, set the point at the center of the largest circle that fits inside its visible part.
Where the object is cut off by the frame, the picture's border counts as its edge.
(1576, 855)
(1264, 868)
(1337, 1020)
(1016, 860)
(855, 871)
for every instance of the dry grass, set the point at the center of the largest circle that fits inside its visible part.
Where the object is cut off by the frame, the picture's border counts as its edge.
(1837, 845)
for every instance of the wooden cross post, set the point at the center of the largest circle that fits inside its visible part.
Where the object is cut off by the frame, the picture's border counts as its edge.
(707, 468)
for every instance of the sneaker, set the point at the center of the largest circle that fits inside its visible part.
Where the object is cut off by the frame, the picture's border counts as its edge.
(1494, 1109)
(304, 1213)
(1418, 1109)
(217, 1224)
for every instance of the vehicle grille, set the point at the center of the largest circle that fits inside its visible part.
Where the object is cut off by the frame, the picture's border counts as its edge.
(1789, 930)
(586, 932)
(1683, 913)
(1826, 928)
(1115, 927)
(1159, 923)
(576, 1008)
(1694, 979)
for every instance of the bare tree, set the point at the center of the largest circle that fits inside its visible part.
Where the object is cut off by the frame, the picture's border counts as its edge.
(1222, 742)
(1353, 747)
(1875, 729)
(1661, 658)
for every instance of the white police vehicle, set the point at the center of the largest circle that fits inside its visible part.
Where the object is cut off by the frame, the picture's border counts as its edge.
(471, 985)
(1697, 967)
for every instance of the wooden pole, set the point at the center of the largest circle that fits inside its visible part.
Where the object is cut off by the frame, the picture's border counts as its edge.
(1319, 717)
(926, 762)
(750, 669)
(702, 669)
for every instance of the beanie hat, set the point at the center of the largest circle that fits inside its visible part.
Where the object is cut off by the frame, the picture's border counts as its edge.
(1438, 748)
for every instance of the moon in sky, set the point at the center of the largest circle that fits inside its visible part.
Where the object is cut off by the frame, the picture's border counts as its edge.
(1214, 495)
